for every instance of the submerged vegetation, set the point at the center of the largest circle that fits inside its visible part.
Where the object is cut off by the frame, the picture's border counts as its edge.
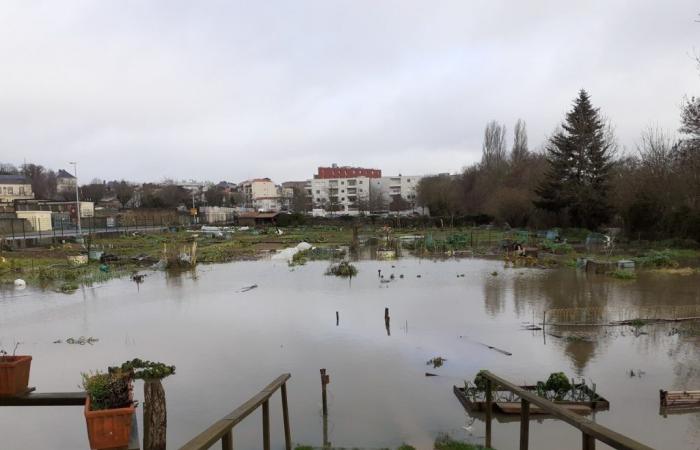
(342, 269)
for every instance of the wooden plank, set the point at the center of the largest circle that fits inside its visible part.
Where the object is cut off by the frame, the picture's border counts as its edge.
(285, 417)
(514, 408)
(596, 431)
(45, 399)
(216, 431)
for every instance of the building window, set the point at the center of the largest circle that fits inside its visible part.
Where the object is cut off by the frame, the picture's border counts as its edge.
(318, 192)
(360, 181)
(342, 199)
(9, 190)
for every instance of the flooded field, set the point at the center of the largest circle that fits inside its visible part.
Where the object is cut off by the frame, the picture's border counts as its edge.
(228, 344)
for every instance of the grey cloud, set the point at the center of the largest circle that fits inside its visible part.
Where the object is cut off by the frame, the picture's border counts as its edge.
(230, 90)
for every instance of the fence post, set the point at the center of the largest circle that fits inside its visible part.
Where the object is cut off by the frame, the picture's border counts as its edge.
(489, 406)
(588, 442)
(285, 417)
(12, 228)
(524, 424)
(227, 441)
(266, 424)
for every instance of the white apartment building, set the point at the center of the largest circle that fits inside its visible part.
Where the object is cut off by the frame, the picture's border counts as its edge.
(404, 186)
(261, 194)
(345, 196)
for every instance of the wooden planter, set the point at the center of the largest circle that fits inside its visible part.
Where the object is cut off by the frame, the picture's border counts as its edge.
(108, 428)
(14, 375)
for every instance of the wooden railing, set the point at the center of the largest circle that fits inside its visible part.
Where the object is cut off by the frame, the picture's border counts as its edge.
(590, 431)
(223, 429)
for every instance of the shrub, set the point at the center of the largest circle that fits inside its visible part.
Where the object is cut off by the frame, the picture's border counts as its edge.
(108, 390)
(342, 269)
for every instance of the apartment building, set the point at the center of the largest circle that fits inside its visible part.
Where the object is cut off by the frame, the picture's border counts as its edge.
(345, 196)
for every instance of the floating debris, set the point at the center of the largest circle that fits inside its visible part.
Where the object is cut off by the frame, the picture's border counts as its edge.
(82, 340)
(436, 362)
(248, 288)
(428, 374)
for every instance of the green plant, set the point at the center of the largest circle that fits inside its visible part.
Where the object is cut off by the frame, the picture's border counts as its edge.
(559, 383)
(436, 362)
(144, 370)
(406, 447)
(108, 390)
(68, 287)
(342, 269)
(445, 442)
(622, 274)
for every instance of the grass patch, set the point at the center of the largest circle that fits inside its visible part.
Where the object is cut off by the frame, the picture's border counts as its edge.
(622, 274)
(444, 442)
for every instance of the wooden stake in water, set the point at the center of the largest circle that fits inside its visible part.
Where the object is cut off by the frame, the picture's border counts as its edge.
(325, 379)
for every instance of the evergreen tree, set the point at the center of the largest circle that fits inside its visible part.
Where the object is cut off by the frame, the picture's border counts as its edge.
(579, 158)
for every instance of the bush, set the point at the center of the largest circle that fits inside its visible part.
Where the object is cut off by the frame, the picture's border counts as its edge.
(342, 269)
(107, 390)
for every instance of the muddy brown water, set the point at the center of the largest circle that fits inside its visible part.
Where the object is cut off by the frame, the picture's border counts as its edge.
(228, 344)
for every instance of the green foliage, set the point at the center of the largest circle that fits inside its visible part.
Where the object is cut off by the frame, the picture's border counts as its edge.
(559, 383)
(445, 442)
(108, 390)
(69, 287)
(622, 274)
(657, 259)
(145, 370)
(436, 362)
(579, 158)
(406, 447)
(342, 269)
(480, 381)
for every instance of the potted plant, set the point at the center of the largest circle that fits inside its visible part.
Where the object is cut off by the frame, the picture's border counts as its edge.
(14, 373)
(109, 408)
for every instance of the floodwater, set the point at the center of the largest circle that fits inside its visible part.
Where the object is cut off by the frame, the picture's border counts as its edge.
(227, 345)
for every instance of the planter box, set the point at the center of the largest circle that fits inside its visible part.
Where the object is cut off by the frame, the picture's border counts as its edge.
(14, 375)
(108, 428)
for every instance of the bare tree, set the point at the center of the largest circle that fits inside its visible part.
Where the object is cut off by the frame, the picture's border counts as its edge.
(377, 202)
(494, 146)
(520, 150)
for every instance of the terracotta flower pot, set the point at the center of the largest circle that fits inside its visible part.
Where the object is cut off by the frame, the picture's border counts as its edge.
(14, 374)
(108, 428)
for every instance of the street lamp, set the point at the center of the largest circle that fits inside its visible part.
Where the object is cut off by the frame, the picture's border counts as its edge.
(77, 200)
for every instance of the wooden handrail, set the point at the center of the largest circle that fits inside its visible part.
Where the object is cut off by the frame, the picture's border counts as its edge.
(222, 429)
(591, 430)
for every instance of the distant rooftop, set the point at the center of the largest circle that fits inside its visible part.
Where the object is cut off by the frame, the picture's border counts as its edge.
(14, 179)
(63, 174)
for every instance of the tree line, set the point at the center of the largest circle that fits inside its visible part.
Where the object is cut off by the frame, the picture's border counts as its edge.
(580, 179)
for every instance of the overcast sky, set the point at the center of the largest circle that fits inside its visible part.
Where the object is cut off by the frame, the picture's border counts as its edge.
(223, 90)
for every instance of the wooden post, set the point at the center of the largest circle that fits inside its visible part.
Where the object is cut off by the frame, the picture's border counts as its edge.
(266, 424)
(524, 424)
(588, 442)
(337, 318)
(489, 407)
(387, 321)
(227, 441)
(324, 380)
(285, 417)
(155, 419)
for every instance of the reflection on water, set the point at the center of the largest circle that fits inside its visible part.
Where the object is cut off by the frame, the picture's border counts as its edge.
(228, 344)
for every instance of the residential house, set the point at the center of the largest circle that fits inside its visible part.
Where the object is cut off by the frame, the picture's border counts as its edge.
(65, 182)
(15, 187)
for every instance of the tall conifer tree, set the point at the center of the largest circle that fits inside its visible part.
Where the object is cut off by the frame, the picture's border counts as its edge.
(579, 157)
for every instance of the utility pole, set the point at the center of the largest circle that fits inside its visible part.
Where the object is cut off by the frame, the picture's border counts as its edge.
(77, 201)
